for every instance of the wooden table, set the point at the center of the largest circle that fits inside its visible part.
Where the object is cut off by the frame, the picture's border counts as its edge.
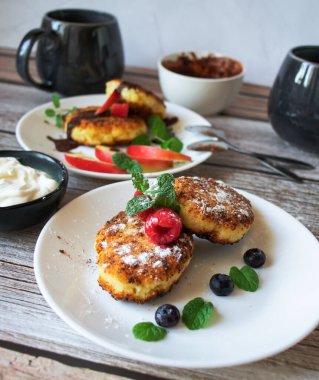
(36, 343)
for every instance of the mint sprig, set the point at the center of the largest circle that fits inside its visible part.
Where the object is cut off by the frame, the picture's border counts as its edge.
(163, 192)
(141, 140)
(160, 134)
(149, 332)
(123, 161)
(160, 193)
(245, 278)
(140, 182)
(158, 128)
(197, 313)
(56, 100)
(138, 204)
(173, 144)
(57, 112)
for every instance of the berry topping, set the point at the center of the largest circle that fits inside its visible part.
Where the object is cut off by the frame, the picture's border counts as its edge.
(167, 315)
(163, 226)
(144, 214)
(255, 257)
(221, 284)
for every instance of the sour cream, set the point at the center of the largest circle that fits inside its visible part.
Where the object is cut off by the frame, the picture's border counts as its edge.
(20, 183)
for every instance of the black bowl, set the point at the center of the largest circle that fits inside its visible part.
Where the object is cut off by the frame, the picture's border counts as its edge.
(27, 214)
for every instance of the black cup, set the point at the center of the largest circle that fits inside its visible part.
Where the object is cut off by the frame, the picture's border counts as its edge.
(78, 51)
(294, 99)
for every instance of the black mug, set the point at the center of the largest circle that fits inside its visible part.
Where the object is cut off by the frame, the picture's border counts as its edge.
(294, 99)
(78, 51)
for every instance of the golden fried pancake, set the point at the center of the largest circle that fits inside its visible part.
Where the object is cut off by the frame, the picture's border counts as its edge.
(140, 100)
(212, 210)
(133, 268)
(85, 128)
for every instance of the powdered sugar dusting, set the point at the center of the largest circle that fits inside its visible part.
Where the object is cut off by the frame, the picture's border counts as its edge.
(116, 227)
(123, 249)
(218, 199)
(130, 260)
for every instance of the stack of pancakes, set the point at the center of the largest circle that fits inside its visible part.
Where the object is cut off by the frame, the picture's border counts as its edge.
(133, 268)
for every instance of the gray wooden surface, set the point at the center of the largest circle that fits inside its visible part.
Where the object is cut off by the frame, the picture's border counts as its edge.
(36, 343)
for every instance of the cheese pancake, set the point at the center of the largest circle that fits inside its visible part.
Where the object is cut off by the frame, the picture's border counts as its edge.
(140, 100)
(212, 210)
(131, 267)
(85, 128)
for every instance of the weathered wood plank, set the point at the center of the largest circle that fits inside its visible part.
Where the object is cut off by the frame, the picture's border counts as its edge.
(26, 367)
(252, 99)
(27, 320)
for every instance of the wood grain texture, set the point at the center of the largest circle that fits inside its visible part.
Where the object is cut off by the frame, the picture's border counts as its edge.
(27, 321)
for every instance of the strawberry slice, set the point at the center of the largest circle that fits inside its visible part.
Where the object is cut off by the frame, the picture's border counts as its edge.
(113, 98)
(119, 109)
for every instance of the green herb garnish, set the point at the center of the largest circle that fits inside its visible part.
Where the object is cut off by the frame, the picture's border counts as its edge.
(56, 100)
(173, 144)
(141, 140)
(149, 332)
(49, 112)
(57, 112)
(160, 193)
(123, 161)
(139, 204)
(160, 134)
(197, 313)
(245, 278)
(140, 182)
(158, 128)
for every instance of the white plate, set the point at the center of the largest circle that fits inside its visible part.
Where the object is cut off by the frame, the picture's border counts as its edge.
(32, 132)
(245, 327)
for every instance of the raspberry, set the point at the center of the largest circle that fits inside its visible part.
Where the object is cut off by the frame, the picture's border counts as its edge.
(163, 226)
(143, 214)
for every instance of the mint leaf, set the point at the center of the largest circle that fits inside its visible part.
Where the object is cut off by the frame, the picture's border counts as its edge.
(122, 161)
(164, 193)
(245, 278)
(59, 121)
(197, 313)
(140, 183)
(141, 140)
(138, 204)
(49, 112)
(160, 193)
(56, 100)
(158, 128)
(149, 332)
(173, 144)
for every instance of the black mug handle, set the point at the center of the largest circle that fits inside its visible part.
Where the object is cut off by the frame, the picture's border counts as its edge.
(23, 56)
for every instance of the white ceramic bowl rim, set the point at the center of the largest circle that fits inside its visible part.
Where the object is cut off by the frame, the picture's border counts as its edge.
(200, 54)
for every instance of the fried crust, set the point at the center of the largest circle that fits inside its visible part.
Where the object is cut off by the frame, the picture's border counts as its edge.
(85, 129)
(133, 268)
(212, 210)
(139, 99)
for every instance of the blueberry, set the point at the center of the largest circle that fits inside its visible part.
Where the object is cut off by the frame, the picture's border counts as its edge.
(167, 315)
(255, 257)
(221, 284)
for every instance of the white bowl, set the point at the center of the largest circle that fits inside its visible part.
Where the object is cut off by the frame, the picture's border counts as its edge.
(206, 96)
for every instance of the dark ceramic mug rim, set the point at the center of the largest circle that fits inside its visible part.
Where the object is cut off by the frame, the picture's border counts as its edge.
(294, 55)
(54, 16)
